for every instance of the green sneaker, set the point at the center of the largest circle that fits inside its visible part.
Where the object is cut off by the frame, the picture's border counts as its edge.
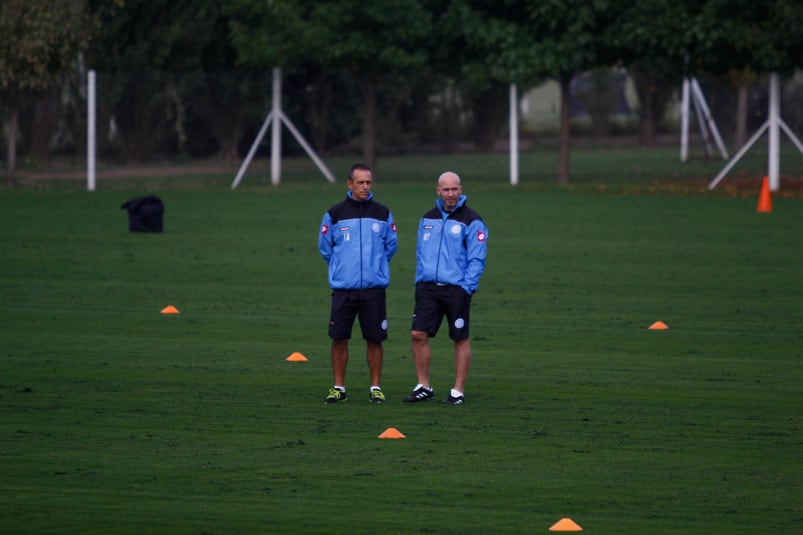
(376, 396)
(335, 396)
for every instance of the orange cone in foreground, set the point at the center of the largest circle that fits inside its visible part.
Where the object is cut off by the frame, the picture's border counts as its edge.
(170, 309)
(565, 524)
(659, 326)
(764, 198)
(296, 357)
(391, 432)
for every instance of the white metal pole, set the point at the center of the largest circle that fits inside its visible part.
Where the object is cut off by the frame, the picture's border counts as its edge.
(514, 135)
(791, 135)
(252, 151)
(275, 119)
(738, 155)
(709, 120)
(306, 146)
(90, 130)
(701, 122)
(684, 122)
(276, 139)
(773, 164)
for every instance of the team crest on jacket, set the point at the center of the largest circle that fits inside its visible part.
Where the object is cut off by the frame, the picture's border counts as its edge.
(455, 229)
(325, 230)
(375, 227)
(481, 236)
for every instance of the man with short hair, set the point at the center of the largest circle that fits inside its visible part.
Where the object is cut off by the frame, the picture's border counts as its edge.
(357, 239)
(450, 252)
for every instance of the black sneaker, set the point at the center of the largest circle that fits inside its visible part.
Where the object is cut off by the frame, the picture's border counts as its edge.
(451, 400)
(420, 394)
(335, 396)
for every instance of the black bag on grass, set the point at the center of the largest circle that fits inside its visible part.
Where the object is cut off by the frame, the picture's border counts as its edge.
(145, 214)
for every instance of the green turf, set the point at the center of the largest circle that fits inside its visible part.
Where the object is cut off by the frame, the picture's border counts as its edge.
(116, 418)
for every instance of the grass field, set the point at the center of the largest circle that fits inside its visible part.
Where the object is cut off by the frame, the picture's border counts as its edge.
(116, 418)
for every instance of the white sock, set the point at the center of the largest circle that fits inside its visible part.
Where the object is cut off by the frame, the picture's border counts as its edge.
(456, 393)
(375, 388)
(419, 385)
(341, 388)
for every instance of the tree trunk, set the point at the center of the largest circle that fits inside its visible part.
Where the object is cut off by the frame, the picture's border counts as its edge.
(489, 117)
(647, 120)
(368, 88)
(11, 160)
(565, 130)
(228, 145)
(319, 109)
(45, 116)
(654, 91)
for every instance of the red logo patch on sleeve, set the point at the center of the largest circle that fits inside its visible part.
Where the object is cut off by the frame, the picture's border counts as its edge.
(481, 236)
(324, 229)
(393, 227)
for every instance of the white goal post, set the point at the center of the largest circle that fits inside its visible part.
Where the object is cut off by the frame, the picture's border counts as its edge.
(275, 119)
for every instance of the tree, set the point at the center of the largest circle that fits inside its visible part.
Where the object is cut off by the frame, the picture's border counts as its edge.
(660, 42)
(522, 42)
(369, 40)
(483, 48)
(176, 86)
(760, 35)
(663, 40)
(39, 41)
(568, 38)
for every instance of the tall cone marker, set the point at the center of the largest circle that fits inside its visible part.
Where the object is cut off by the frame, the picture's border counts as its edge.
(170, 309)
(659, 326)
(565, 524)
(764, 198)
(391, 432)
(296, 357)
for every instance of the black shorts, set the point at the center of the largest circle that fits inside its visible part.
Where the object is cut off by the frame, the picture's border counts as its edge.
(368, 305)
(433, 302)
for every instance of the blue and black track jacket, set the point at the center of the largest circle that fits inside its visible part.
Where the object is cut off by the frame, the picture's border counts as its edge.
(451, 246)
(357, 240)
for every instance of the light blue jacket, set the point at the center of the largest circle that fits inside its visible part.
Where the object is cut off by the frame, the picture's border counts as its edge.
(357, 239)
(451, 246)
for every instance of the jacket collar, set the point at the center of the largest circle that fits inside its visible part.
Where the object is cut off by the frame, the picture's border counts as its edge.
(351, 198)
(460, 202)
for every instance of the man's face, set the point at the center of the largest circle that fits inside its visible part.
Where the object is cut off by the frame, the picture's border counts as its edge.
(449, 190)
(360, 184)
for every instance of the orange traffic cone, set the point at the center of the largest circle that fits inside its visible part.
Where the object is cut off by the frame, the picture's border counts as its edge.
(392, 432)
(566, 524)
(764, 198)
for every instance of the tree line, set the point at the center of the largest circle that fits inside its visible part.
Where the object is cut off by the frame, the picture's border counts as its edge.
(191, 76)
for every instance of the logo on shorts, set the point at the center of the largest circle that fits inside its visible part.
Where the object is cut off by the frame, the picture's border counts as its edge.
(459, 323)
(384, 325)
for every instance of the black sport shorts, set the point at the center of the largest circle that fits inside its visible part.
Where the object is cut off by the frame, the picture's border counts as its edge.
(433, 302)
(368, 305)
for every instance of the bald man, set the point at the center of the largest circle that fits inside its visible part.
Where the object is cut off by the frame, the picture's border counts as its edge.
(450, 254)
